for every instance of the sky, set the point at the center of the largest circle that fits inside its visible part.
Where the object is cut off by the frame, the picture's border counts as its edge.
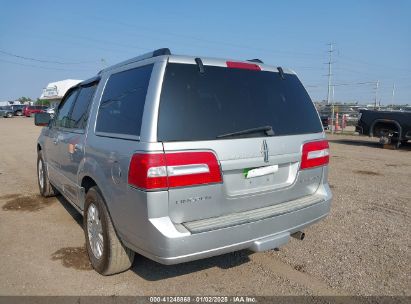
(47, 41)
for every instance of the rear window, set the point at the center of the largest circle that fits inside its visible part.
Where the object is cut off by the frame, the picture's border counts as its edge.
(195, 106)
(122, 103)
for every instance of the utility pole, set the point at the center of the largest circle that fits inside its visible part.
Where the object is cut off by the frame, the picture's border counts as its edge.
(332, 113)
(393, 94)
(329, 86)
(329, 72)
(377, 84)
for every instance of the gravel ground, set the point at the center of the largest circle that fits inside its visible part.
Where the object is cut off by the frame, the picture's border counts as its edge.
(362, 248)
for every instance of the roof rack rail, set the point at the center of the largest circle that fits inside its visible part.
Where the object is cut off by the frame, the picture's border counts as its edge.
(155, 53)
(255, 60)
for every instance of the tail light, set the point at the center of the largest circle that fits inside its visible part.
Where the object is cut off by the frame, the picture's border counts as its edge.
(169, 170)
(315, 154)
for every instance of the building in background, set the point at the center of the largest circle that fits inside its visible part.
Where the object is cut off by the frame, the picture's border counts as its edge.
(9, 103)
(55, 91)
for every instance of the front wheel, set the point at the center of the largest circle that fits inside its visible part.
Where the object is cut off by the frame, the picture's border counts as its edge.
(106, 252)
(46, 189)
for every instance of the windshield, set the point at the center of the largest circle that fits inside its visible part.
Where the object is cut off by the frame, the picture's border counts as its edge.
(203, 106)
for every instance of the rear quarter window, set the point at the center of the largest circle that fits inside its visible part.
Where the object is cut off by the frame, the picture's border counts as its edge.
(122, 104)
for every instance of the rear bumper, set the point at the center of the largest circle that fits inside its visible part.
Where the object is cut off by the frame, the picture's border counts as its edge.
(172, 245)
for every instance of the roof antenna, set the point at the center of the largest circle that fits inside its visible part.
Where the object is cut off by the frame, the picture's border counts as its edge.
(200, 65)
(280, 70)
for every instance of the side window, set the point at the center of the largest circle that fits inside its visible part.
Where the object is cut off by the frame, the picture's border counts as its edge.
(63, 115)
(81, 108)
(122, 103)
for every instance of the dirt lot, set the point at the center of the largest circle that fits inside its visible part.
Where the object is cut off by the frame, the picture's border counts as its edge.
(363, 247)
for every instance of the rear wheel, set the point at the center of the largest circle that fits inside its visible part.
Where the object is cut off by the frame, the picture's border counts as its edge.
(9, 115)
(106, 252)
(46, 189)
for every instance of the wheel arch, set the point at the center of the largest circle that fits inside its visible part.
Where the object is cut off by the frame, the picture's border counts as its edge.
(387, 121)
(91, 173)
(87, 182)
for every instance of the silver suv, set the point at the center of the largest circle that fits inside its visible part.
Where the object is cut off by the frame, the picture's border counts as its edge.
(180, 158)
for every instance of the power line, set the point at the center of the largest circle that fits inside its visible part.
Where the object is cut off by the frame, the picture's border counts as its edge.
(41, 67)
(207, 41)
(354, 83)
(348, 59)
(41, 60)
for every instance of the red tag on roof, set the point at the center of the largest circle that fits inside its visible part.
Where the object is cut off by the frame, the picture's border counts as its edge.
(243, 65)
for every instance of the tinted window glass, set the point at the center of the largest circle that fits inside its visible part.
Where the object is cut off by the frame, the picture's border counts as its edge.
(122, 104)
(195, 106)
(79, 115)
(63, 117)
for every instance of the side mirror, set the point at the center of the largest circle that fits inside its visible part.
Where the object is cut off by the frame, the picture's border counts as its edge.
(42, 119)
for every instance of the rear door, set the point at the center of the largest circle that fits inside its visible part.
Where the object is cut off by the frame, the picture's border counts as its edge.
(229, 112)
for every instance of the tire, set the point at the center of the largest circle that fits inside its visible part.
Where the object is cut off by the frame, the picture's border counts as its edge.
(46, 189)
(19, 113)
(106, 252)
(9, 115)
(395, 143)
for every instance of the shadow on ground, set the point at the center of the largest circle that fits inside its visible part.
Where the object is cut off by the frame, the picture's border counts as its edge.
(148, 269)
(371, 144)
(153, 271)
(71, 210)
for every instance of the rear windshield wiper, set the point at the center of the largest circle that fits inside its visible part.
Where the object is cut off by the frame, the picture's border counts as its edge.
(267, 129)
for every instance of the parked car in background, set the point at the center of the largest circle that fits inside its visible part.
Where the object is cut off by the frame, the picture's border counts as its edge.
(17, 109)
(6, 112)
(180, 158)
(30, 110)
(392, 127)
(325, 122)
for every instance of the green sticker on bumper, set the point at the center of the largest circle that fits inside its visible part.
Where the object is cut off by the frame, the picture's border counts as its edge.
(245, 171)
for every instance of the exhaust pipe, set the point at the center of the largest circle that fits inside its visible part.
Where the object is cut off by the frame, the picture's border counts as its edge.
(299, 235)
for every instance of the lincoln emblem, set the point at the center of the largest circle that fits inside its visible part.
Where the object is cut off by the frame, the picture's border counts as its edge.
(264, 150)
